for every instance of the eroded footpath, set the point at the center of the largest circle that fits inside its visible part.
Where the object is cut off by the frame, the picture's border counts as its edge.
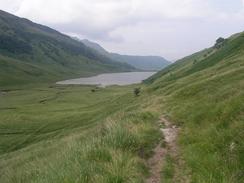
(167, 145)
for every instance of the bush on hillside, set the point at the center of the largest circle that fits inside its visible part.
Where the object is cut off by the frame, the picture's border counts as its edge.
(137, 91)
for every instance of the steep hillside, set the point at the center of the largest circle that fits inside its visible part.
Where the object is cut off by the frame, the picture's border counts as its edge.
(149, 63)
(95, 46)
(204, 94)
(63, 134)
(48, 51)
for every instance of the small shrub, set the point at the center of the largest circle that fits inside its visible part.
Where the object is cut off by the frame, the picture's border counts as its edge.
(137, 91)
(219, 43)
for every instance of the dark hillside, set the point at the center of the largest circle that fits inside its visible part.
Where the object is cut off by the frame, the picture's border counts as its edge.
(49, 50)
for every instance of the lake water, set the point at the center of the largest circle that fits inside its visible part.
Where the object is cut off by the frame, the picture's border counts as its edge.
(125, 78)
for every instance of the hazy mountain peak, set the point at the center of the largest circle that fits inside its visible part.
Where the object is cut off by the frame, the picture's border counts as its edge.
(139, 62)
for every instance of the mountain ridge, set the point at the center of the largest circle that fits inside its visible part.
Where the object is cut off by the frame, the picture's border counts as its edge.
(148, 63)
(49, 51)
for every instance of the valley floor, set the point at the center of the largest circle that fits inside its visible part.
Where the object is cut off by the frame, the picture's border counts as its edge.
(75, 134)
(84, 134)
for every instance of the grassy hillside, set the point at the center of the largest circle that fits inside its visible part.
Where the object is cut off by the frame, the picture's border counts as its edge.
(204, 94)
(47, 51)
(51, 133)
(70, 134)
(148, 63)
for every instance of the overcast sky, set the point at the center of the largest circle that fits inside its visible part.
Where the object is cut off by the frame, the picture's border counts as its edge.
(169, 28)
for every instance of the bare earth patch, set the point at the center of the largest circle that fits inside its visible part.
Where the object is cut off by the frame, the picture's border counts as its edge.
(155, 163)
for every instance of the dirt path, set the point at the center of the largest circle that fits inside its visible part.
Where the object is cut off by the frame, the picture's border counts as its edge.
(155, 163)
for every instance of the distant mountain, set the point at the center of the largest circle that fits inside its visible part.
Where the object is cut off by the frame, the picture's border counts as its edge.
(95, 46)
(39, 53)
(139, 62)
(142, 62)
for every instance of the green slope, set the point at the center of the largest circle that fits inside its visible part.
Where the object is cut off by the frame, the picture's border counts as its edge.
(204, 94)
(47, 50)
(71, 134)
(66, 134)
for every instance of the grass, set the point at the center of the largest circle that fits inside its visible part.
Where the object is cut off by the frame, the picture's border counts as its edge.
(105, 157)
(41, 113)
(167, 170)
(70, 134)
(206, 100)
(67, 134)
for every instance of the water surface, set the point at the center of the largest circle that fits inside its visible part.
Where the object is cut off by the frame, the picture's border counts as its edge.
(125, 78)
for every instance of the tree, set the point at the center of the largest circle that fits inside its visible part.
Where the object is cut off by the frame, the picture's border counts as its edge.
(219, 42)
(137, 91)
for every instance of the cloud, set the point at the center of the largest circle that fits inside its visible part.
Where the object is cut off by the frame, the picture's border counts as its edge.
(97, 18)
(136, 24)
(10, 5)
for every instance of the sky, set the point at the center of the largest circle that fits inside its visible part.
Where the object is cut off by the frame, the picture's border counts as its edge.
(169, 28)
